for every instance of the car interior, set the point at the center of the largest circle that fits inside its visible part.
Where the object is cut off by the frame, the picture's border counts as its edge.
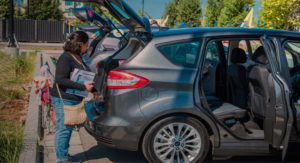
(240, 69)
(292, 54)
(129, 48)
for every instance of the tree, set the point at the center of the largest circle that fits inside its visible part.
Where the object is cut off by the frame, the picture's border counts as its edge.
(212, 11)
(183, 11)
(20, 12)
(3, 8)
(44, 10)
(4, 4)
(56, 12)
(189, 11)
(141, 13)
(234, 12)
(280, 14)
(170, 10)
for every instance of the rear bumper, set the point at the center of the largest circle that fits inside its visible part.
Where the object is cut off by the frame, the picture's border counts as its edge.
(114, 133)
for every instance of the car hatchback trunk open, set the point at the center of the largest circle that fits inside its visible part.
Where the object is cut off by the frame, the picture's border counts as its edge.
(137, 38)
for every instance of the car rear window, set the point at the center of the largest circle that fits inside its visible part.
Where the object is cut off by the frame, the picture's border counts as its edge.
(120, 11)
(183, 54)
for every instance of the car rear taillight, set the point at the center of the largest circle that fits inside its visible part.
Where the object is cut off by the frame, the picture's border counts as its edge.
(118, 79)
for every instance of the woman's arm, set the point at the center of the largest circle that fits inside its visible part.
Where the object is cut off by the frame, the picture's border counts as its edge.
(62, 74)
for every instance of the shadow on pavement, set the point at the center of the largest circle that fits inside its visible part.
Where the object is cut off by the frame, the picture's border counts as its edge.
(98, 153)
(105, 154)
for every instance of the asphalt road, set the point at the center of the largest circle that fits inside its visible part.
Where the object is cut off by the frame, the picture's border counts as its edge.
(101, 154)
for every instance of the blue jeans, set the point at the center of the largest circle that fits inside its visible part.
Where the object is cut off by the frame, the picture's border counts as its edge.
(63, 133)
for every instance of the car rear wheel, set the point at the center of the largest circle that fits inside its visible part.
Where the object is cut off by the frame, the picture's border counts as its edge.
(176, 139)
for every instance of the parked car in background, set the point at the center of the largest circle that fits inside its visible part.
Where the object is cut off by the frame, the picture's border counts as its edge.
(179, 95)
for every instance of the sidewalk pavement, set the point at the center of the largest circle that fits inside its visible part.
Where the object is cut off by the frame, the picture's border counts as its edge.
(76, 148)
(83, 147)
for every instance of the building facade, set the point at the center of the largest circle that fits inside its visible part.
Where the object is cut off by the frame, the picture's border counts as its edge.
(66, 5)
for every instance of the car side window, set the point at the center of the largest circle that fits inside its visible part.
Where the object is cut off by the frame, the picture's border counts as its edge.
(289, 58)
(183, 54)
(292, 53)
(243, 45)
(226, 44)
(255, 44)
(212, 53)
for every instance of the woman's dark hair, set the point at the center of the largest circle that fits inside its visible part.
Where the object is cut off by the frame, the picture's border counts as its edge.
(74, 41)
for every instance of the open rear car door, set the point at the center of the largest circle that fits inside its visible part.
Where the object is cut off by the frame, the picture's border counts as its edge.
(138, 27)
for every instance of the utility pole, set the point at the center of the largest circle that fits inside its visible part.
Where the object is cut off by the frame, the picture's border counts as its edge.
(12, 48)
(143, 7)
(28, 1)
(11, 26)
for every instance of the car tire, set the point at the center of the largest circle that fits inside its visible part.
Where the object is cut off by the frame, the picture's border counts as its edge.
(162, 141)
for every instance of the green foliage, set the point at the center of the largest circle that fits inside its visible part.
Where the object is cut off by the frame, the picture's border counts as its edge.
(3, 8)
(14, 72)
(44, 10)
(234, 11)
(170, 11)
(140, 12)
(16, 94)
(23, 66)
(280, 14)
(20, 12)
(38, 9)
(11, 136)
(10, 94)
(212, 13)
(188, 11)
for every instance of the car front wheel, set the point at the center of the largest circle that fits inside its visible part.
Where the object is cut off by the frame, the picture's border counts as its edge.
(176, 139)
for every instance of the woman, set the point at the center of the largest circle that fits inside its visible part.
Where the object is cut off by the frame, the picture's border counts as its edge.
(74, 47)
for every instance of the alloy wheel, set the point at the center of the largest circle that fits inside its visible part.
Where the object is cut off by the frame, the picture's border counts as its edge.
(177, 143)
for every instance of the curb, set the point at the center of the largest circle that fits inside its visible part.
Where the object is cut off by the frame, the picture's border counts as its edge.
(32, 132)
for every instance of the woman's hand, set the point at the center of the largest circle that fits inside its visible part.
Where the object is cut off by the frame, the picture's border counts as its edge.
(88, 86)
(98, 97)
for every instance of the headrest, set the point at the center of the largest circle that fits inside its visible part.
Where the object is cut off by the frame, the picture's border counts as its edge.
(238, 55)
(181, 51)
(260, 56)
(180, 55)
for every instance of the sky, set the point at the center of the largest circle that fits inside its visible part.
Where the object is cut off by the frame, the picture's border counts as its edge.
(155, 8)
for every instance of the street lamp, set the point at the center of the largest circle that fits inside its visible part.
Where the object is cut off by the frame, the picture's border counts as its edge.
(28, 1)
(12, 48)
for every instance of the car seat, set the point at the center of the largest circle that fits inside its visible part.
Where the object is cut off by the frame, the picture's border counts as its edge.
(238, 86)
(261, 84)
